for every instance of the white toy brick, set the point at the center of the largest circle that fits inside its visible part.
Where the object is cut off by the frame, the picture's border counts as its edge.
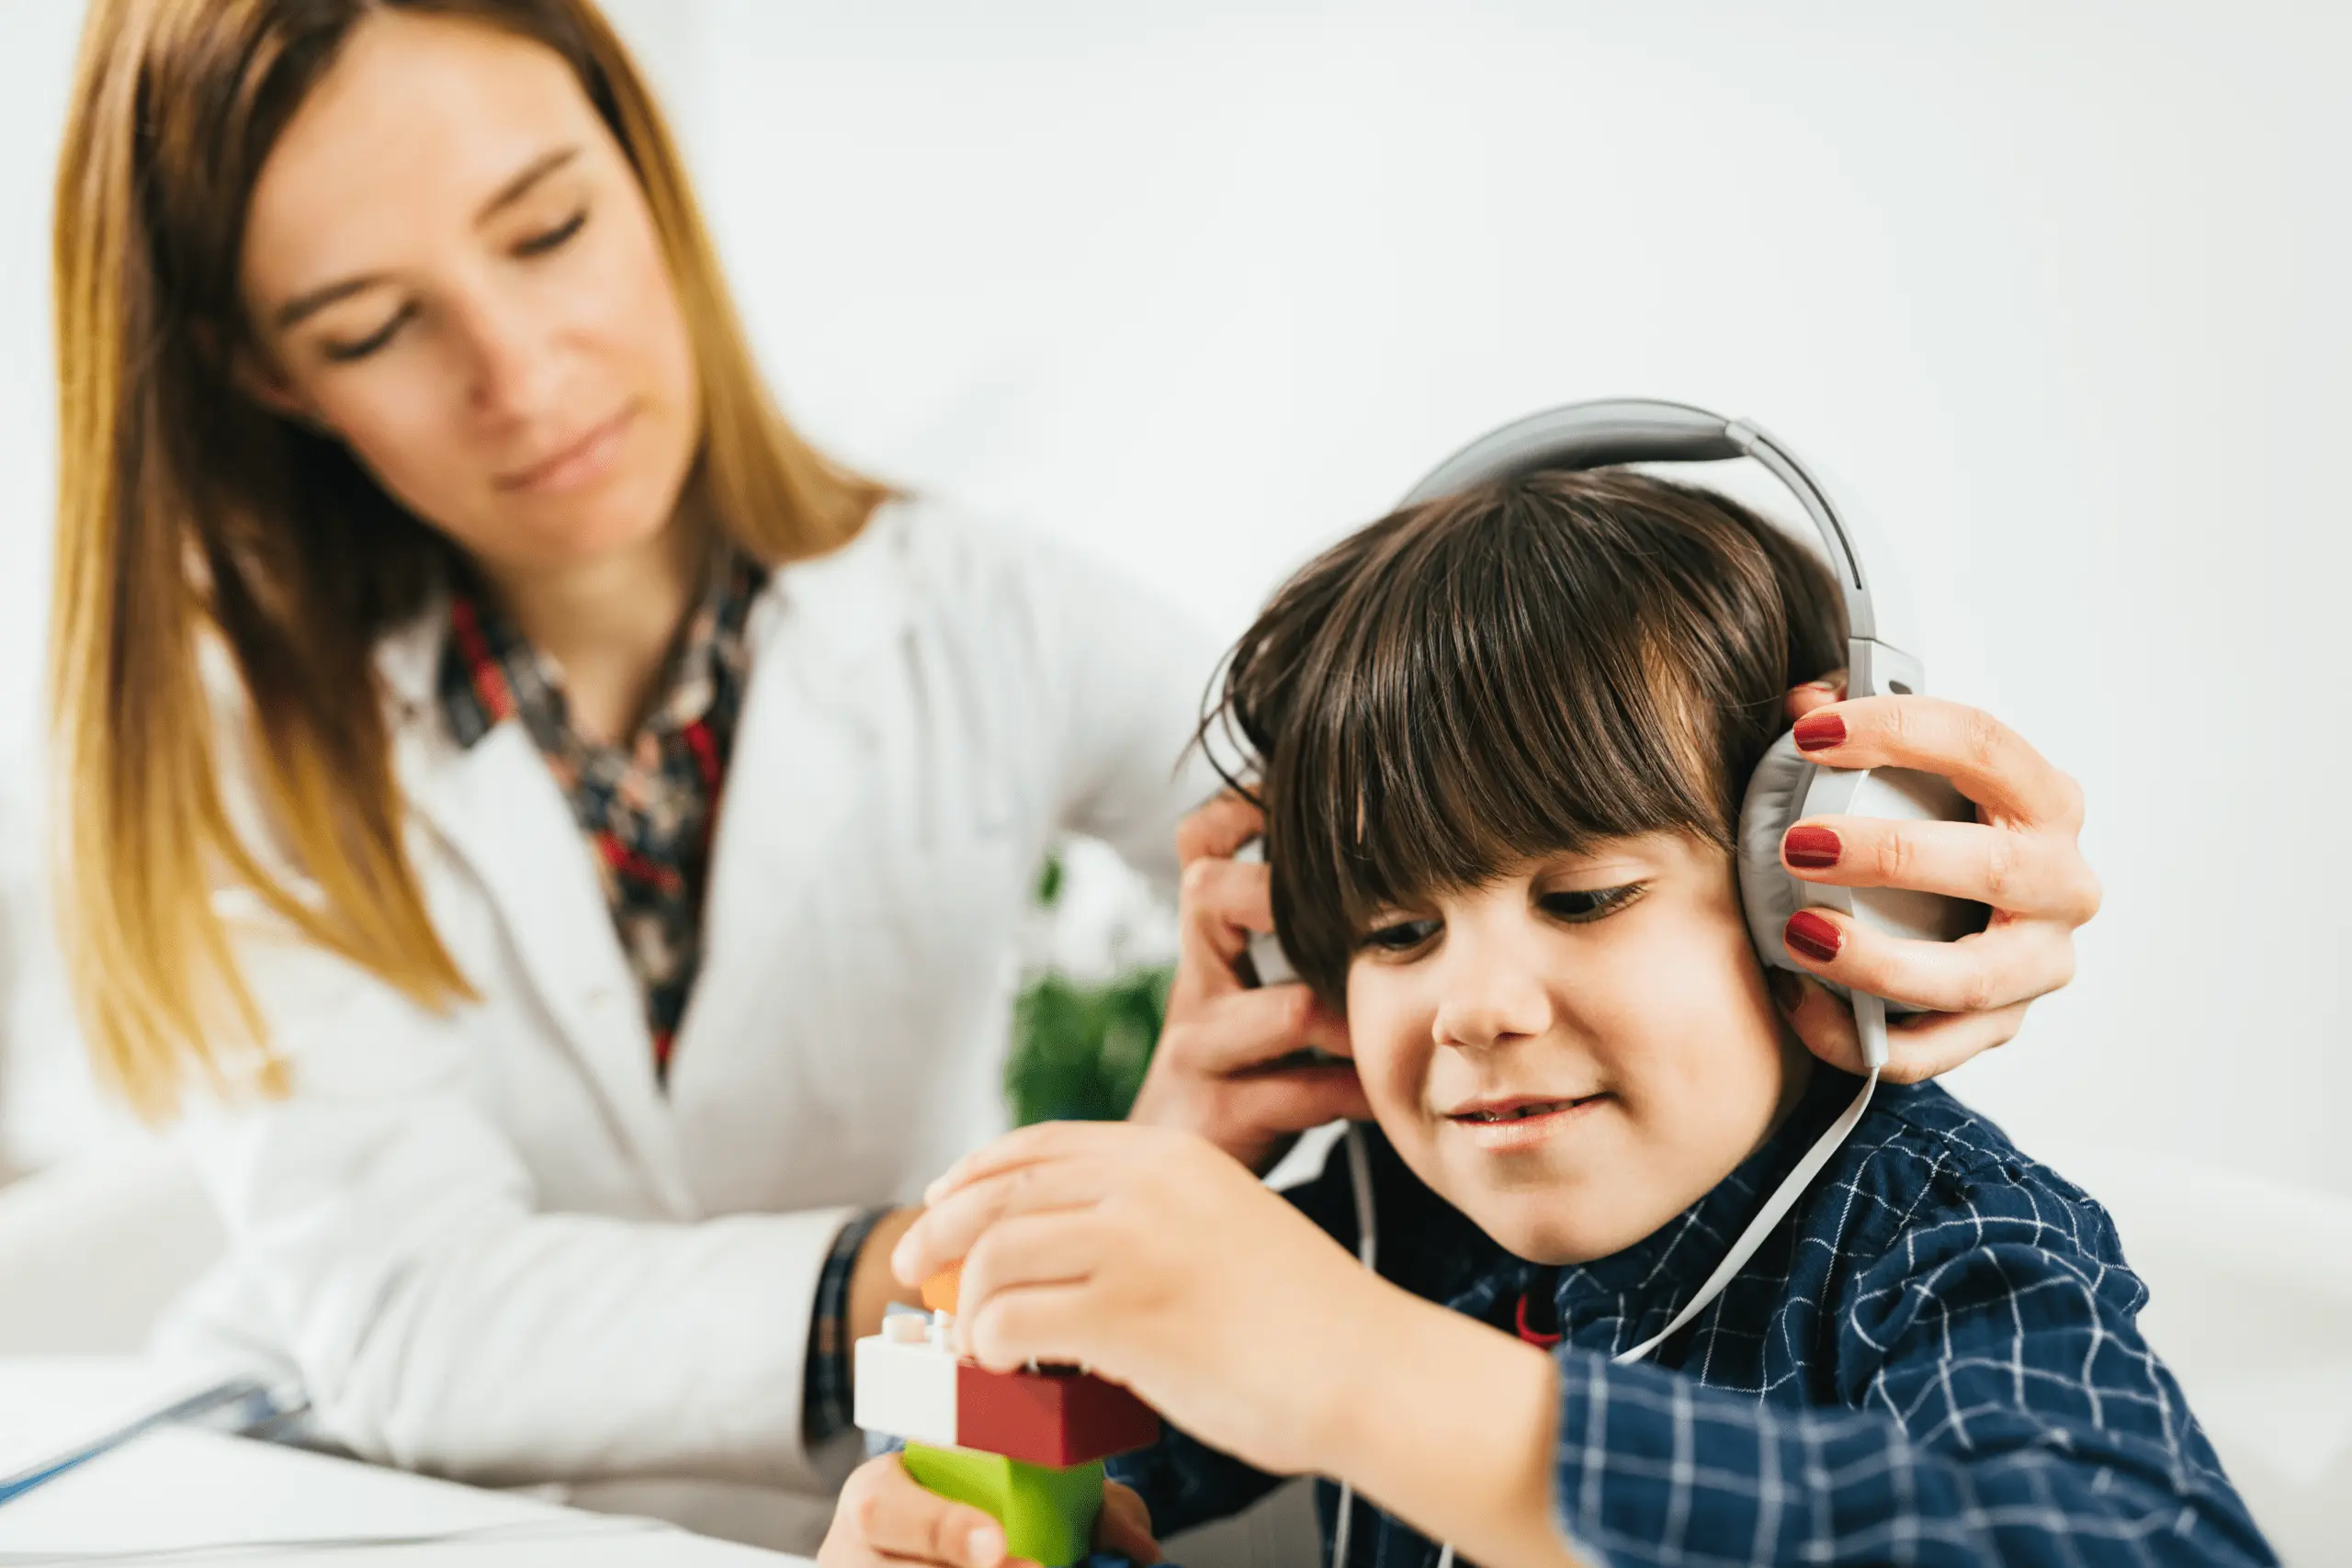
(906, 1390)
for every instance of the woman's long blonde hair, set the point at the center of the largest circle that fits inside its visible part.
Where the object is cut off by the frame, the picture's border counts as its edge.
(189, 513)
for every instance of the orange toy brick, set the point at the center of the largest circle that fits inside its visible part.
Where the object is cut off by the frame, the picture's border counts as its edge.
(939, 1291)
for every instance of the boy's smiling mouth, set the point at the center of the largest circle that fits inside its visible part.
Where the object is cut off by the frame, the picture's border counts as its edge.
(1515, 1120)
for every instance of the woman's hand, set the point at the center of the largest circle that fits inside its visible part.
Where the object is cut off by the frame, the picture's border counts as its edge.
(1210, 1073)
(886, 1516)
(1153, 1258)
(2019, 856)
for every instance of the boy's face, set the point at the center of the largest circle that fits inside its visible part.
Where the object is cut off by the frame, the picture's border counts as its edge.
(1574, 1053)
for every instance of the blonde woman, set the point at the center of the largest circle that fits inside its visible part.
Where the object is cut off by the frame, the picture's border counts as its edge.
(433, 568)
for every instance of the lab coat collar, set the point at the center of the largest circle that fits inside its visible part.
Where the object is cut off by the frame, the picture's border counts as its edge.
(500, 811)
(836, 611)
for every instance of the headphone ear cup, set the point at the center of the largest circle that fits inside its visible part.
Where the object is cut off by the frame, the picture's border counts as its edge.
(1767, 894)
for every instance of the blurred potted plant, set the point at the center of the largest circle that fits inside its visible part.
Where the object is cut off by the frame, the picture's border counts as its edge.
(1083, 1026)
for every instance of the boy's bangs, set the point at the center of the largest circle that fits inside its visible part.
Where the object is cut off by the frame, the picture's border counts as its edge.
(1496, 699)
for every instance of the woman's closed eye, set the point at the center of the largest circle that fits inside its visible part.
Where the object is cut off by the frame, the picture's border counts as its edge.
(553, 239)
(346, 353)
(544, 242)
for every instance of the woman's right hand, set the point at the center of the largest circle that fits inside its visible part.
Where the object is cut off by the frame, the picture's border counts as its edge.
(1211, 1072)
(887, 1517)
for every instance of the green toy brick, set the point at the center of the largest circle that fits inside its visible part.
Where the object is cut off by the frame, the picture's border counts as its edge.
(1048, 1514)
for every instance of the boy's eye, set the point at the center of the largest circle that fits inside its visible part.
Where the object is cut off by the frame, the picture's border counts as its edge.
(1400, 936)
(1586, 904)
(553, 239)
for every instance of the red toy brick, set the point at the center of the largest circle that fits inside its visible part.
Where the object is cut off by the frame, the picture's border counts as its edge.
(1057, 1417)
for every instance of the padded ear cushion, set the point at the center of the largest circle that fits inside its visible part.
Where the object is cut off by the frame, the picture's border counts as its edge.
(1767, 894)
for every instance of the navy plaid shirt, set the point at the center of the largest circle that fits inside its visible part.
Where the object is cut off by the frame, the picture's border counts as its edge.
(1932, 1361)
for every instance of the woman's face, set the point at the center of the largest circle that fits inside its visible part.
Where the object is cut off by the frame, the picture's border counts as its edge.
(1576, 1051)
(450, 266)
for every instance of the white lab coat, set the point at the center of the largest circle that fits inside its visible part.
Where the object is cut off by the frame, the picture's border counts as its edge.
(489, 1243)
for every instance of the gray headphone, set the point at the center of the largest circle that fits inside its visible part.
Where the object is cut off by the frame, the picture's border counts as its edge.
(1787, 787)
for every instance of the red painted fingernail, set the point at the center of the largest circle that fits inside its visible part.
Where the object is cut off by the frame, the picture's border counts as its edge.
(1810, 934)
(1819, 731)
(1812, 848)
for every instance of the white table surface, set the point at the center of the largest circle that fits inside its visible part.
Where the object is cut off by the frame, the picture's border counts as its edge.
(174, 1495)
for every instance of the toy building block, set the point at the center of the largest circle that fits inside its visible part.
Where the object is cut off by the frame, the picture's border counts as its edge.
(939, 1290)
(909, 1385)
(1025, 1446)
(904, 1382)
(1056, 1416)
(1048, 1513)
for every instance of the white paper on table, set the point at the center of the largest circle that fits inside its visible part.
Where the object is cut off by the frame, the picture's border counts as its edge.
(55, 1410)
(175, 1490)
(179, 1491)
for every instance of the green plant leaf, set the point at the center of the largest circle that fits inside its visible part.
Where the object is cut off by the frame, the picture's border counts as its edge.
(1080, 1052)
(1049, 882)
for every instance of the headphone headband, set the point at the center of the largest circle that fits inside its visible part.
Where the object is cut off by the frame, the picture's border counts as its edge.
(1639, 430)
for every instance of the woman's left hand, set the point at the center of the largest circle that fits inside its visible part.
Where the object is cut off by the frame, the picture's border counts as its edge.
(1155, 1260)
(2019, 856)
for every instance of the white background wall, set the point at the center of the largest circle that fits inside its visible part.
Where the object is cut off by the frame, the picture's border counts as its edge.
(2057, 288)
(44, 1106)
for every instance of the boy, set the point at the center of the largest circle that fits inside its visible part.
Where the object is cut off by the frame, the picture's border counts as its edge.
(1503, 738)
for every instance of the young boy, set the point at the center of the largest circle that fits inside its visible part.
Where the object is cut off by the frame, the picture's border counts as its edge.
(1503, 738)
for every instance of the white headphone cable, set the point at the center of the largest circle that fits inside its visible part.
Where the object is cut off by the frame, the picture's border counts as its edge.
(1368, 1253)
(1870, 1024)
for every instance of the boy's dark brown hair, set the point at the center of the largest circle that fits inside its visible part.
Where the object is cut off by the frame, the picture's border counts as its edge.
(1520, 669)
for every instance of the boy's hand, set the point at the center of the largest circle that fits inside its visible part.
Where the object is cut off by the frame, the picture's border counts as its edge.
(886, 1516)
(1151, 1257)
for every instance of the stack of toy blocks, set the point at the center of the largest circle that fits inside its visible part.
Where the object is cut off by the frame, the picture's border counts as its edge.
(1025, 1446)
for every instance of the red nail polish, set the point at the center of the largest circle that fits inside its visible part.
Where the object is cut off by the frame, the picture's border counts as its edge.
(1812, 848)
(1811, 935)
(1818, 731)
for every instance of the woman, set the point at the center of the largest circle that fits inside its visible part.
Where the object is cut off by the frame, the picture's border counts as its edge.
(431, 561)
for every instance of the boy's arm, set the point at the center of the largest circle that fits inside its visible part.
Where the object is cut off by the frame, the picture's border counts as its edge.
(1183, 1480)
(2011, 1414)
(2002, 1408)
(1450, 1426)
